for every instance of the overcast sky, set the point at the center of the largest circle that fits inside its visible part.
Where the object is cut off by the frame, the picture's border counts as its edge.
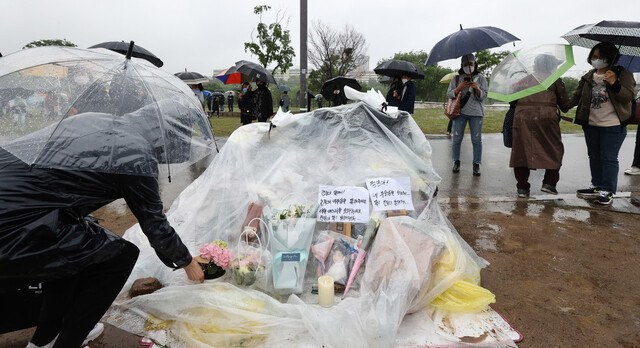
(206, 35)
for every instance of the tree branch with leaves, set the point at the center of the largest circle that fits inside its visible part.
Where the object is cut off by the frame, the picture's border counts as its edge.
(335, 53)
(272, 43)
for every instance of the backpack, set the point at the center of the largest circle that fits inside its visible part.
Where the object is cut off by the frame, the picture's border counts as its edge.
(281, 101)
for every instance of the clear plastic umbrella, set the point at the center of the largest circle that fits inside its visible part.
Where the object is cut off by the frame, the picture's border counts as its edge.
(101, 112)
(529, 71)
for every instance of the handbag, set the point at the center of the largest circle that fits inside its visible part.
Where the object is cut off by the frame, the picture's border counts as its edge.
(635, 112)
(452, 109)
(507, 126)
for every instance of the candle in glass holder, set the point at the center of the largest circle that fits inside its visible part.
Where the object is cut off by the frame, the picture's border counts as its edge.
(325, 291)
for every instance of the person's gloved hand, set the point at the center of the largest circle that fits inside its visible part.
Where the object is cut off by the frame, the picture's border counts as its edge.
(194, 271)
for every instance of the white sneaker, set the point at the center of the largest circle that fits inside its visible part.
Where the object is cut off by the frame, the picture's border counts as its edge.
(48, 345)
(94, 333)
(633, 171)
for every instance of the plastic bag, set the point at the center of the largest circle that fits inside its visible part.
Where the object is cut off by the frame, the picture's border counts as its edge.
(291, 233)
(465, 297)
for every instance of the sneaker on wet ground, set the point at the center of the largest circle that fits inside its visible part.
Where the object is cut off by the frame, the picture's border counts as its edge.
(589, 192)
(632, 171)
(604, 198)
(523, 193)
(549, 189)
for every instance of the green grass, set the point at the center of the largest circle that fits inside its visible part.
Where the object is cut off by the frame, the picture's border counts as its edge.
(431, 121)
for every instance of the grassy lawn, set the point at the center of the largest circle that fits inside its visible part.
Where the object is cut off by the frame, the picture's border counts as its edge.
(431, 121)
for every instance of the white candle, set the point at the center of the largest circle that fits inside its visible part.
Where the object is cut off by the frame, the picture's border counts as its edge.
(325, 291)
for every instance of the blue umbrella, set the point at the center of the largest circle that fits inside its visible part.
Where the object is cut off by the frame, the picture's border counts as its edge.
(284, 88)
(206, 93)
(469, 40)
(631, 63)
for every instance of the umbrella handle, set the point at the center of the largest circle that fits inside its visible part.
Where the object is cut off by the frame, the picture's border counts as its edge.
(130, 50)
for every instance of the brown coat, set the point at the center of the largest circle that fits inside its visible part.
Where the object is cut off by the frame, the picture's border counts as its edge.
(621, 94)
(537, 143)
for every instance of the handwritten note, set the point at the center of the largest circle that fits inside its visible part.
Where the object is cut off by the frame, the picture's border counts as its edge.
(343, 204)
(390, 193)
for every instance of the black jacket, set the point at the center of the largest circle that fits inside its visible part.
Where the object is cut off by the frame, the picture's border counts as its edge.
(45, 228)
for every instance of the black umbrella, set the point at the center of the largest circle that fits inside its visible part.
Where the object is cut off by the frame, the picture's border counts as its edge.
(393, 68)
(469, 40)
(255, 71)
(338, 83)
(138, 51)
(625, 35)
(191, 77)
(284, 88)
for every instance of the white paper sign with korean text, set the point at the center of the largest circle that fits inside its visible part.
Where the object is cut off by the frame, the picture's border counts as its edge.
(343, 204)
(390, 193)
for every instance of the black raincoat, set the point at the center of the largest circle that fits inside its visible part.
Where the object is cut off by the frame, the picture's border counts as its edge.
(45, 228)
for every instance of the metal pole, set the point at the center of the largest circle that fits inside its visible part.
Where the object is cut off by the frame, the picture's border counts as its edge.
(303, 54)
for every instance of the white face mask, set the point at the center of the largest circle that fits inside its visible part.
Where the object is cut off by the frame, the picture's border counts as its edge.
(405, 80)
(468, 69)
(599, 63)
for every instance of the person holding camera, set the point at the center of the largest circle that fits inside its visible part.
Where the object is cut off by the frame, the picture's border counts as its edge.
(474, 87)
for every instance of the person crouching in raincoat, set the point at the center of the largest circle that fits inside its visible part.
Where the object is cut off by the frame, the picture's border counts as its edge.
(47, 235)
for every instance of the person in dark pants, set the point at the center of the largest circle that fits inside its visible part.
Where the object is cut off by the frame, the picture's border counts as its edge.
(215, 102)
(407, 94)
(48, 235)
(262, 102)
(245, 103)
(393, 95)
(230, 102)
(604, 98)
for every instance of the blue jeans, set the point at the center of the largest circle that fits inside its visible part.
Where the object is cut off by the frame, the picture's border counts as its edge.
(603, 146)
(475, 127)
(285, 109)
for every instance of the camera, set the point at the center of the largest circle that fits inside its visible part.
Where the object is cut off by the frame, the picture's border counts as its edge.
(467, 78)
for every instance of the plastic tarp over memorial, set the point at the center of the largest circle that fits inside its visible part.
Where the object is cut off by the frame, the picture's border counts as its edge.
(406, 291)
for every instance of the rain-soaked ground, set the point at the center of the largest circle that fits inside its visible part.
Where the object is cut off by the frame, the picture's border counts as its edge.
(565, 272)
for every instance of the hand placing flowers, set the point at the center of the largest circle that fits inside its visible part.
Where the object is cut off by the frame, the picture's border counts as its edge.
(218, 253)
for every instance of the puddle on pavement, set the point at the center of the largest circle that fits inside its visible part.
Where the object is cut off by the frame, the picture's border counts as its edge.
(564, 215)
(486, 244)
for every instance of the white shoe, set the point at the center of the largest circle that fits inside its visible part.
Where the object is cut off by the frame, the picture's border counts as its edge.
(633, 171)
(94, 333)
(48, 345)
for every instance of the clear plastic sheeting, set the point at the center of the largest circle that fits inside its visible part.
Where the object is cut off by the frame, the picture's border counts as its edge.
(284, 165)
(70, 108)
(529, 71)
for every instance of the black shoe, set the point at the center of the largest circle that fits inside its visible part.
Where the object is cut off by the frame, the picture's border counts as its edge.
(590, 192)
(523, 193)
(549, 189)
(604, 198)
(476, 169)
(456, 166)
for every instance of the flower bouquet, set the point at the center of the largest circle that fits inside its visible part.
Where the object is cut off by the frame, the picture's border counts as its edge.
(214, 259)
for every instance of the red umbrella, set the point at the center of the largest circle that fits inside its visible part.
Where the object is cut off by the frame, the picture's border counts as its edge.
(229, 76)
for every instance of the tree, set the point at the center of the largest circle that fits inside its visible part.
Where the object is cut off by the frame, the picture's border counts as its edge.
(273, 43)
(429, 89)
(53, 42)
(335, 53)
(487, 61)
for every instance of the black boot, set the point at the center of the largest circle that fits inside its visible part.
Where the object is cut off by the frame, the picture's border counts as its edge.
(456, 166)
(476, 169)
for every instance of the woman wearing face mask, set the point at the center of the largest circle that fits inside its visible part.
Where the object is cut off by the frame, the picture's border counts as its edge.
(474, 88)
(603, 98)
(407, 94)
(245, 103)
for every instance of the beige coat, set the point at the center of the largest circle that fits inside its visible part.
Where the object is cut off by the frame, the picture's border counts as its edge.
(537, 143)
